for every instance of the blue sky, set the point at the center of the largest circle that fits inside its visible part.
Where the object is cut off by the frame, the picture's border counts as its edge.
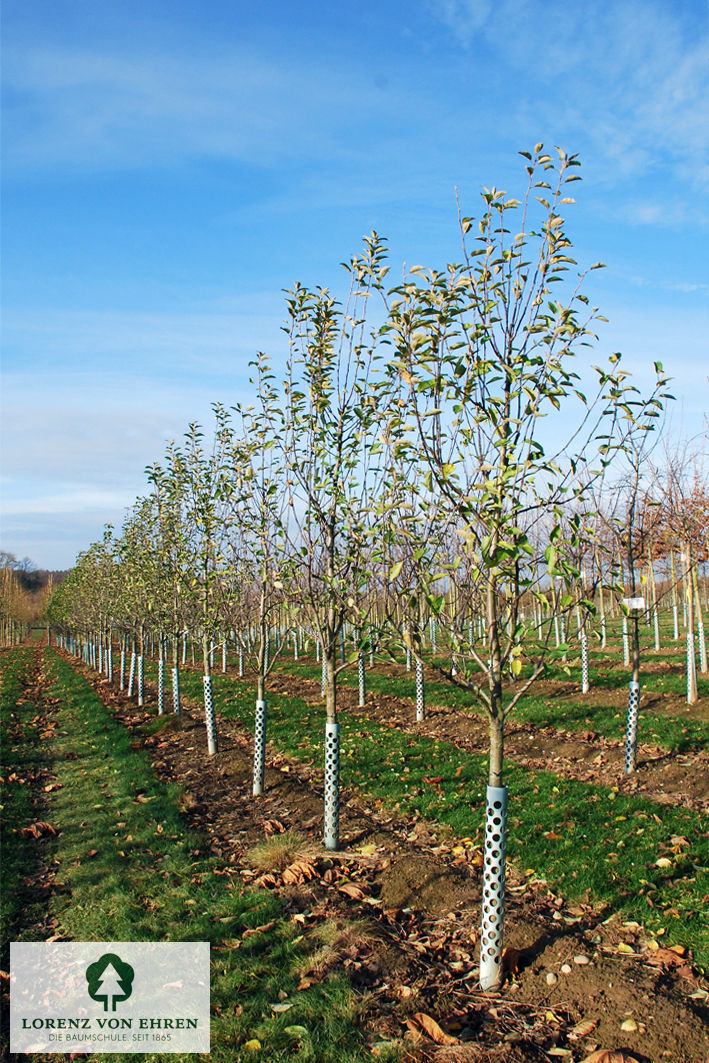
(170, 167)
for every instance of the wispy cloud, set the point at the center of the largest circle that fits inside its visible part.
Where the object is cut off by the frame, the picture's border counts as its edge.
(631, 77)
(90, 109)
(217, 342)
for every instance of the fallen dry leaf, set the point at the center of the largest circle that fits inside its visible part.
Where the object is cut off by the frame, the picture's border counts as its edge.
(259, 929)
(665, 958)
(297, 872)
(605, 1055)
(352, 891)
(40, 829)
(433, 1030)
(584, 1028)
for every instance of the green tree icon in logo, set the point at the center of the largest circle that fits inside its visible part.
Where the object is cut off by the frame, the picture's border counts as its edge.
(110, 980)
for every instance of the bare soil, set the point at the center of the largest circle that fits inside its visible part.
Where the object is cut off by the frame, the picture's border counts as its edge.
(668, 778)
(403, 909)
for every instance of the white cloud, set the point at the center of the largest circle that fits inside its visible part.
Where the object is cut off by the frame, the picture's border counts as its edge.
(630, 77)
(83, 109)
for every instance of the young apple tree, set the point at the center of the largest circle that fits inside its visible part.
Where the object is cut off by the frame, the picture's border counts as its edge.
(259, 565)
(485, 396)
(332, 476)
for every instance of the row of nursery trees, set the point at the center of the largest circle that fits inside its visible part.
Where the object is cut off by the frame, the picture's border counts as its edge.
(425, 482)
(24, 596)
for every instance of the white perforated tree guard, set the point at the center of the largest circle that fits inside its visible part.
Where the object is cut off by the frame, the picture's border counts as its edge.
(331, 832)
(131, 675)
(585, 686)
(209, 716)
(675, 623)
(161, 687)
(493, 902)
(656, 624)
(626, 642)
(259, 748)
(241, 662)
(420, 692)
(361, 681)
(631, 734)
(100, 658)
(323, 677)
(141, 681)
(224, 657)
(122, 674)
(691, 667)
(603, 632)
(434, 636)
(702, 647)
(176, 706)
(408, 659)
(110, 664)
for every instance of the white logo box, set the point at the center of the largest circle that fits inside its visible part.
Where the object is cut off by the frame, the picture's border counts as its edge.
(109, 996)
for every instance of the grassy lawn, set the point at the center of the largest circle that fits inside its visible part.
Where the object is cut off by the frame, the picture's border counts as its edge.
(585, 840)
(134, 873)
(569, 713)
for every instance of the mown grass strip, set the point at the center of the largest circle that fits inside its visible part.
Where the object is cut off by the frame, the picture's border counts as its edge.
(670, 733)
(586, 840)
(22, 754)
(135, 874)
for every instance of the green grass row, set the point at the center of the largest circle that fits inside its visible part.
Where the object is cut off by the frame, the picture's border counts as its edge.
(21, 752)
(134, 873)
(570, 713)
(585, 840)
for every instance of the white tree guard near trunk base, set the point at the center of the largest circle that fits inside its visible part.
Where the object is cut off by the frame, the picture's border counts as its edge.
(122, 674)
(631, 735)
(701, 639)
(691, 668)
(141, 681)
(259, 748)
(161, 687)
(420, 693)
(131, 675)
(331, 832)
(493, 902)
(176, 706)
(323, 677)
(361, 681)
(109, 670)
(626, 643)
(585, 685)
(209, 716)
